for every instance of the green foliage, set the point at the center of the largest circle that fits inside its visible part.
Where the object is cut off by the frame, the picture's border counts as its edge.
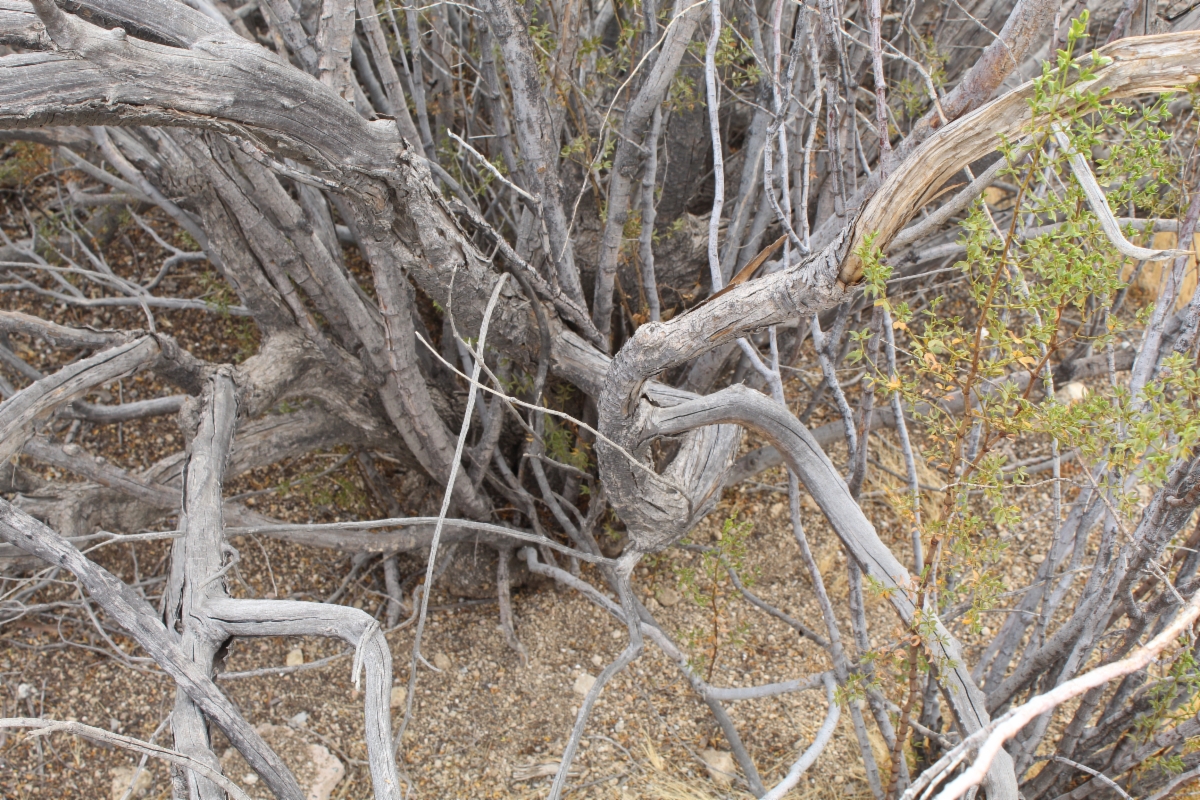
(612, 66)
(330, 491)
(914, 94)
(1029, 300)
(544, 45)
(219, 296)
(857, 685)
(734, 58)
(562, 445)
(1167, 697)
(581, 149)
(875, 272)
(22, 162)
(519, 383)
(217, 293)
(708, 585)
(683, 95)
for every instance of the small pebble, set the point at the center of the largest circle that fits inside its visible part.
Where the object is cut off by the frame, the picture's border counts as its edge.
(583, 684)
(399, 695)
(1073, 392)
(295, 657)
(720, 766)
(441, 661)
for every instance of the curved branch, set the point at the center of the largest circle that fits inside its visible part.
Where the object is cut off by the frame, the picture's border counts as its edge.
(100, 77)
(1142, 65)
(19, 413)
(351, 625)
(137, 617)
(824, 735)
(57, 335)
(989, 741)
(743, 406)
(46, 726)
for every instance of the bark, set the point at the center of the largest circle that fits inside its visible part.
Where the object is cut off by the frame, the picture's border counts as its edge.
(536, 137)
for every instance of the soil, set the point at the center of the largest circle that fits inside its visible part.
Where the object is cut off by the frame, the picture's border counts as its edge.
(485, 722)
(486, 718)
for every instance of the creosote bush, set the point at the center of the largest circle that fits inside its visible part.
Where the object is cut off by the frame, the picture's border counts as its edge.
(554, 282)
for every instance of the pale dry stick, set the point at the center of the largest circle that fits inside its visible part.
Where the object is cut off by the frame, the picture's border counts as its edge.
(1130, 67)
(831, 381)
(504, 601)
(441, 519)
(324, 662)
(603, 126)
(781, 105)
(767, 608)
(885, 141)
(57, 335)
(19, 412)
(90, 169)
(143, 301)
(1152, 337)
(857, 468)
(712, 696)
(910, 461)
(305, 667)
(989, 740)
(120, 655)
(43, 727)
(714, 125)
(534, 201)
(572, 312)
(413, 23)
(631, 652)
(103, 274)
(355, 627)
(125, 412)
(393, 93)
(929, 733)
(141, 767)
(403, 522)
(1099, 205)
(824, 735)
(639, 111)
(741, 405)
(834, 646)
(116, 538)
(942, 215)
(646, 238)
(1100, 776)
(805, 181)
(132, 174)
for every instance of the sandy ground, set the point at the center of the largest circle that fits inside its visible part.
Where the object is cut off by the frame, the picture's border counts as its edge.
(485, 722)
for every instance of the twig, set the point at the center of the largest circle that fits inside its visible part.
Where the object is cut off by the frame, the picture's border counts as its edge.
(441, 519)
(43, 727)
(989, 740)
